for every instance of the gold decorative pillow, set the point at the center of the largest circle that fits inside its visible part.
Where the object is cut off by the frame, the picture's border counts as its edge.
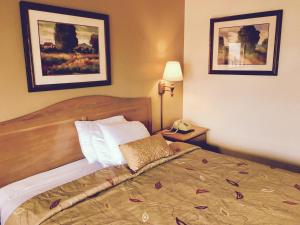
(141, 152)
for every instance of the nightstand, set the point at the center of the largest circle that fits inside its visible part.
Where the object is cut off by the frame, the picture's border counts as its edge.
(196, 137)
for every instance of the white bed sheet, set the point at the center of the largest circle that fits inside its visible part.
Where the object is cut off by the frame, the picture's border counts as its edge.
(13, 195)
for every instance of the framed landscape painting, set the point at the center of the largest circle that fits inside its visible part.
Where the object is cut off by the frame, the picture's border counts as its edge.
(245, 44)
(64, 48)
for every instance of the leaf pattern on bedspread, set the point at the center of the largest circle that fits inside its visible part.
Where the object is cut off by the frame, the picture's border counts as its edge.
(158, 185)
(190, 169)
(239, 195)
(233, 183)
(201, 191)
(54, 204)
(243, 172)
(201, 207)
(180, 222)
(196, 187)
(205, 161)
(290, 203)
(135, 200)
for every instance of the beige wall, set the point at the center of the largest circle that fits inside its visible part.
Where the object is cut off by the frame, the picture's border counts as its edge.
(144, 35)
(258, 115)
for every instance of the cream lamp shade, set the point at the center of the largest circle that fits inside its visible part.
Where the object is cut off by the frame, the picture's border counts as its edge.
(173, 71)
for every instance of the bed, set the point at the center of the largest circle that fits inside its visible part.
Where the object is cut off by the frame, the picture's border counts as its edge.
(191, 186)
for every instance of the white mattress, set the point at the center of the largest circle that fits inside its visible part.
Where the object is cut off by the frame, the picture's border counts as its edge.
(13, 195)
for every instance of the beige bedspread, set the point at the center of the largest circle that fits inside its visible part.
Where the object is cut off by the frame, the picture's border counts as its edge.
(195, 187)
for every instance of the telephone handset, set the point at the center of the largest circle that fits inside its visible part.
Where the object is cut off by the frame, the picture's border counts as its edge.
(181, 126)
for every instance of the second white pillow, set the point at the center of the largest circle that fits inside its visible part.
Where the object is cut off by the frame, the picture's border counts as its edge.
(92, 141)
(122, 133)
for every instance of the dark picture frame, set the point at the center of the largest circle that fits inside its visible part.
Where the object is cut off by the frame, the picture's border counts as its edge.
(256, 56)
(85, 63)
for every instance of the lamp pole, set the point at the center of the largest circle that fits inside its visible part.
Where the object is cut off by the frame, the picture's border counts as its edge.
(161, 112)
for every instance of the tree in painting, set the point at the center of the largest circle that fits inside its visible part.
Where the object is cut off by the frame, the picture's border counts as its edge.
(249, 37)
(221, 42)
(95, 43)
(65, 37)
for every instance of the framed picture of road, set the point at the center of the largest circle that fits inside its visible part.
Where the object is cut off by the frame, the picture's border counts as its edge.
(64, 48)
(246, 44)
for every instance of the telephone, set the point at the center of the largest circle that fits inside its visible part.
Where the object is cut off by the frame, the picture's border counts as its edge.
(181, 126)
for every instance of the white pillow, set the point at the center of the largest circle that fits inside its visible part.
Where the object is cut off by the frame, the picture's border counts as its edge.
(122, 133)
(91, 138)
(103, 153)
(110, 120)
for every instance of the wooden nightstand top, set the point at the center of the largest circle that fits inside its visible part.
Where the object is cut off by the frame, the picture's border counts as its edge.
(184, 137)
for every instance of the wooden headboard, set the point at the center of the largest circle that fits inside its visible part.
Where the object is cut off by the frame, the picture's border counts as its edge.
(47, 139)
